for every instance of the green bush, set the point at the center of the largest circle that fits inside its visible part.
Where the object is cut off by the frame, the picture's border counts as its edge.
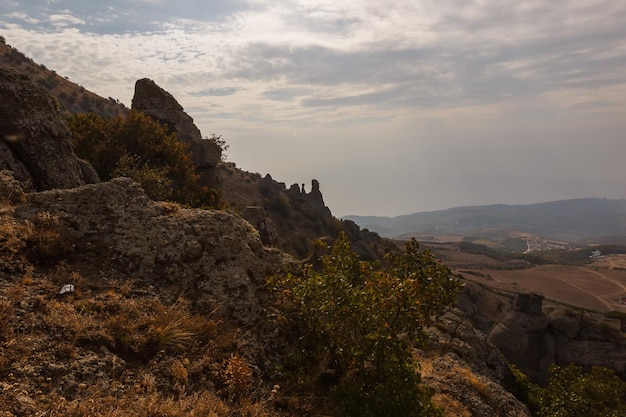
(362, 323)
(141, 148)
(573, 393)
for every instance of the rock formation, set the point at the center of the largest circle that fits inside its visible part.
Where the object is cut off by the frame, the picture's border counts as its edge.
(34, 142)
(214, 255)
(267, 230)
(534, 337)
(468, 372)
(162, 106)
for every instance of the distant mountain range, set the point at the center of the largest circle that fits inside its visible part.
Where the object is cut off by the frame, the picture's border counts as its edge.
(574, 221)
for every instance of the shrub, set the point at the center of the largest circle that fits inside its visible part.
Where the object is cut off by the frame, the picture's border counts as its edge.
(137, 146)
(362, 323)
(573, 393)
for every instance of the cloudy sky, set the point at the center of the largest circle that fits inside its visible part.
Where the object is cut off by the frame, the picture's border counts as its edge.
(395, 107)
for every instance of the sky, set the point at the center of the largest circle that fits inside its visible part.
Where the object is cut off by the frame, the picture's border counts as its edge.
(394, 107)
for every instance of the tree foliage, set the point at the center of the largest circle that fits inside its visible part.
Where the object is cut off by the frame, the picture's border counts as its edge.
(362, 322)
(139, 147)
(571, 392)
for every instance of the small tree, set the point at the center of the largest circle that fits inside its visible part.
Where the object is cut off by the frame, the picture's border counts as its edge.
(362, 322)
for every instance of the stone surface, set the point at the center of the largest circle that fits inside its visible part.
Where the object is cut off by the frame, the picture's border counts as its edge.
(162, 106)
(467, 372)
(214, 256)
(534, 339)
(34, 142)
(257, 216)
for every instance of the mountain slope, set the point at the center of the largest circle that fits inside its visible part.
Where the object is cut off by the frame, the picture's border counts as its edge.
(568, 220)
(72, 98)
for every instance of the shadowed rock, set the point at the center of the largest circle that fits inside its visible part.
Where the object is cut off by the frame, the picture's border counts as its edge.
(34, 142)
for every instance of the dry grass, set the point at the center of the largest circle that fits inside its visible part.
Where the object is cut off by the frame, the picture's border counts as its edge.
(57, 359)
(112, 347)
(236, 376)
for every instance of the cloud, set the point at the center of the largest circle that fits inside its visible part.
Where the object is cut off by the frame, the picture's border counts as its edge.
(412, 88)
(65, 20)
(208, 92)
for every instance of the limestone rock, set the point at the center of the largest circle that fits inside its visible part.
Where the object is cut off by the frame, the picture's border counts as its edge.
(162, 106)
(521, 335)
(34, 142)
(214, 256)
(533, 339)
(158, 103)
(468, 371)
(315, 201)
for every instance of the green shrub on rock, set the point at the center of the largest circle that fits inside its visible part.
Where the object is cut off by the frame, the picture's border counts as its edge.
(362, 322)
(141, 148)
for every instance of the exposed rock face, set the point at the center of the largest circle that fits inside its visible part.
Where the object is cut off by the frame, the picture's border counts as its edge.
(267, 231)
(534, 338)
(315, 201)
(521, 336)
(162, 106)
(34, 142)
(213, 256)
(468, 372)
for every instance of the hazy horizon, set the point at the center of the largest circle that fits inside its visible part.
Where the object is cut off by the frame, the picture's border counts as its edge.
(413, 107)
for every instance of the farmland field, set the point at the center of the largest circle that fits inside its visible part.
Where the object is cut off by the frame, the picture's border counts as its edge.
(598, 286)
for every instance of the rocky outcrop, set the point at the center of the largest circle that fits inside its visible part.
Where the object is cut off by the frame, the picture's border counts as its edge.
(162, 106)
(534, 337)
(34, 142)
(522, 336)
(215, 257)
(315, 201)
(11, 191)
(467, 371)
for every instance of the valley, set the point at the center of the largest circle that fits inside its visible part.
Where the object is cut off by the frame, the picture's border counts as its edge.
(598, 286)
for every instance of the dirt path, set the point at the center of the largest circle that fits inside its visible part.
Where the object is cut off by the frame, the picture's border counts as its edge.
(596, 296)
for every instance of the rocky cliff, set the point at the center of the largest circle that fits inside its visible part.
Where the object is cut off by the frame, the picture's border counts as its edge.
(534, 337)
(34, 142)
(297, 216)
(118, 250)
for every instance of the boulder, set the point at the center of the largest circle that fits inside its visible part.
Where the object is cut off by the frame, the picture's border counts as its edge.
(35, 143)
(162, 106)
